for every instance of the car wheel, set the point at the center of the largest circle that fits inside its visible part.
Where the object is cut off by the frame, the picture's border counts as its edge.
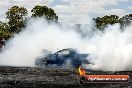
(82, 80)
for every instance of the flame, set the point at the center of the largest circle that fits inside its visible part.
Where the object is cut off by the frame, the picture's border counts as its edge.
(81, 71)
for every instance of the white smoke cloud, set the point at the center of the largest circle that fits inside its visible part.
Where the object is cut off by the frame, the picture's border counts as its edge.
(109, 50)
(38, 35)
(112, 49)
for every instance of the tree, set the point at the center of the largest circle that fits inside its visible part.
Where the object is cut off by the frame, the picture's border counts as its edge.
(5, 33)
(48, 13)
(102, 22)
(4, 27)
(16, 18)
(126, 20)
(4, 30)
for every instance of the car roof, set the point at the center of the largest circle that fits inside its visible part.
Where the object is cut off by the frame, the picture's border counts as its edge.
(69, 49)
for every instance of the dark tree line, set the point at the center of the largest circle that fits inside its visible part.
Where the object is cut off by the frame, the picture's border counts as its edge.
(102, 22)
(48, 13)
(17, 17)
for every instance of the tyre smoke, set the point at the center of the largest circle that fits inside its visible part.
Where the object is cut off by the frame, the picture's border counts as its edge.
(109, 50)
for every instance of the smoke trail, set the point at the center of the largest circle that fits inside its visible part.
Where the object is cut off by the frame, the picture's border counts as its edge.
(38, 35)
(109, 50)
(112, 49)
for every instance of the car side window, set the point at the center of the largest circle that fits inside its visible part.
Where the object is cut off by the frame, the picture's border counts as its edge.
(64, 53)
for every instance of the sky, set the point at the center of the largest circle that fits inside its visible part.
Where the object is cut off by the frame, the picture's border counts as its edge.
(73, 11)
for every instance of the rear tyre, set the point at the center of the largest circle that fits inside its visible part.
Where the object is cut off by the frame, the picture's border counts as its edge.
(82, 80)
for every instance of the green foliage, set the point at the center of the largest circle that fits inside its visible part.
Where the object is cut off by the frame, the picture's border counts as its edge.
(48, 13)
(15, 15)
(17, 18)
(4, 26)
(5, 33)
(102, 22)
(4, 30)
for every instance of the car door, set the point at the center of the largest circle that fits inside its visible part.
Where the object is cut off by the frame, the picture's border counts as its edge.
(62, 56)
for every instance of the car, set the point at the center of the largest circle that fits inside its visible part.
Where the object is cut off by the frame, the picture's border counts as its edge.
(62, 57)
